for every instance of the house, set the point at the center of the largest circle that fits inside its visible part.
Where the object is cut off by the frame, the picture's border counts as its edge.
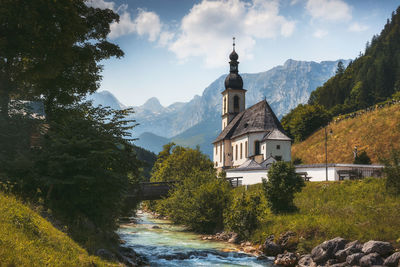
(251, 139)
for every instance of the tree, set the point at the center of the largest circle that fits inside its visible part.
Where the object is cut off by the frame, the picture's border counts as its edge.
(392, 171)
(340, 68)
(50, 50)
(302, 121)
(362, 158)
(283, 182)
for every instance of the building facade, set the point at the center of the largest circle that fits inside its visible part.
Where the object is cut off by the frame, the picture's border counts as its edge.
(248, 135)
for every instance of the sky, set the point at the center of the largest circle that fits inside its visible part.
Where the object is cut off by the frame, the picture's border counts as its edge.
(174, 49)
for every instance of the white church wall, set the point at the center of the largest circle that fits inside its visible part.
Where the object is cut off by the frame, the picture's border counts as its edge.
(253, 137)
(218, 156)
(249, 177)
(239, 158)
(271, 148)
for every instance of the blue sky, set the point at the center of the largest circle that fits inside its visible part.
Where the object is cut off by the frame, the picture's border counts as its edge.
(176, 48)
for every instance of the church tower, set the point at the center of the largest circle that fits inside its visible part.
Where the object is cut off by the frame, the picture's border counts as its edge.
(233, 97)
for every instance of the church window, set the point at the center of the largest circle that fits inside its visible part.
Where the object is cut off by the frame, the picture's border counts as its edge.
(224, 104)
(236, 150)
(216, 164)
(278, 147)
(236, 104)
(241, 150)
(220, 152)
(246, 153)
(257, 147)
(216, 150)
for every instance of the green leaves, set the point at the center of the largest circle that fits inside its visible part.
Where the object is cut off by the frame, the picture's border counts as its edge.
(283, 182)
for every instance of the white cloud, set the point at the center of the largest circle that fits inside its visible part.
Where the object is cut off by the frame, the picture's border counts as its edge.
(320, 33)
(357, 27)
(100, 4)
(148, 23)
(333, 10)
(209, 26)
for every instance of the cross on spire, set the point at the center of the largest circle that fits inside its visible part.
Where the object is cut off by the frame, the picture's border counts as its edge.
(233, 43)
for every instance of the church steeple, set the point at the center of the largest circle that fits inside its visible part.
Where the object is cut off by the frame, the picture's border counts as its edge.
(233, 100)
(234, 80)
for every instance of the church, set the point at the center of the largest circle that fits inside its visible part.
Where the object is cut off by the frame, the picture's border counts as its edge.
(251, 139)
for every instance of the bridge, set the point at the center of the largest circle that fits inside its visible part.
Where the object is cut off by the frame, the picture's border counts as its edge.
(152, 190)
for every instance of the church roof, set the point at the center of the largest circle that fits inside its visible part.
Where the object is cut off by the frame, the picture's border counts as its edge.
(257, 118)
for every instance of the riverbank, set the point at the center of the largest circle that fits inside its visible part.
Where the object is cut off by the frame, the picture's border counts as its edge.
(165, 244)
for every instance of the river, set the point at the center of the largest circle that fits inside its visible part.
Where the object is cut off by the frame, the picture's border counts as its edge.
(165, 244)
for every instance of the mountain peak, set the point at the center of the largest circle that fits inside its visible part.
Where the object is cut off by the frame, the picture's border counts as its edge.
(153, 104)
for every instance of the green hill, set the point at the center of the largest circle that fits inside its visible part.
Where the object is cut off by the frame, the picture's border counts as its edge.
(376, 132)
(27, 239)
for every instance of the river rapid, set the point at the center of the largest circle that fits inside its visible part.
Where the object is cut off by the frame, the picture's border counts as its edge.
(165, 244)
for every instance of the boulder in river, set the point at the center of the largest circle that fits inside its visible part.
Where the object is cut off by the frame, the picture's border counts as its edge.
(380, 247)
(354, 259)
(327, 250)
(234, 238)
(270, 248)
(370, 260)
(286, 259)
(393, 260)
(306, 261)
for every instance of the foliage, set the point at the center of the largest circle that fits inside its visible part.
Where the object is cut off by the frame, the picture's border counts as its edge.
(175, 163)
(199, 199)
(392, 171)
(49, 50)
(283, 182)
(26, 239)
(297, 161)
(355, 210)
(375, 132)
(245, 212)
(302, 121)
(147, 159)
(362, 158)
(369, 79)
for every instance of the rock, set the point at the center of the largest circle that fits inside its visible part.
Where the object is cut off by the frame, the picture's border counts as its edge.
(327, 250)
(393, 260)
(350, 248)
(286, 259)
(371, 259)
(106, 254)
(382, 248)
(306, 261)
(270, 248)
(234, 238)
(247, 243)
(354, 259)
(249, 249)
(155, 227)
(287, 241)
(342, 264)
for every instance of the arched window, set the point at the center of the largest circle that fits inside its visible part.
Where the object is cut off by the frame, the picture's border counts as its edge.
(236, 104)
(224, 105)
(241, 150)
(246, 152)
(236, 150)
(220, 152)
(257, 148)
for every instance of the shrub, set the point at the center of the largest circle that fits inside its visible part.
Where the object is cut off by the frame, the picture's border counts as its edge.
(362, 158)
(392, 171)
(283, 182)
(245, 212)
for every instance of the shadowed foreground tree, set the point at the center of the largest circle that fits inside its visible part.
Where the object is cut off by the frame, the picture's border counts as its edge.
(283, 182)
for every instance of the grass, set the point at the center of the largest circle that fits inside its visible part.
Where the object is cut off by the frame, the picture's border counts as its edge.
(375, 132)
(355, 210)
(27, 239)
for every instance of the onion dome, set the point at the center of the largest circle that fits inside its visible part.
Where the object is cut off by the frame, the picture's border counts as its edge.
(233, 80)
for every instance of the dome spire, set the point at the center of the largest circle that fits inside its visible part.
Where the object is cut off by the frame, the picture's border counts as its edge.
(233, 80)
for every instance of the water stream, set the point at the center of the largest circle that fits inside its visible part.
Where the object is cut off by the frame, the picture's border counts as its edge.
(165, 244)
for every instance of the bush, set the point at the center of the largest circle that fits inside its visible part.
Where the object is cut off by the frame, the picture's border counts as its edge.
(245, 212)
(362, 158)
(392, 171)
(283, 182)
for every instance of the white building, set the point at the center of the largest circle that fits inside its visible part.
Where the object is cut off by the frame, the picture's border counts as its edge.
(338, 171)
(250, 138)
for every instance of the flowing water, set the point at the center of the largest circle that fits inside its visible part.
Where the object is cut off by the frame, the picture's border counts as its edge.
(165, 244)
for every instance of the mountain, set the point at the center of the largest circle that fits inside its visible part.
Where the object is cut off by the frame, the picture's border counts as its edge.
(105, 98)
(197, 122)
(376, 132)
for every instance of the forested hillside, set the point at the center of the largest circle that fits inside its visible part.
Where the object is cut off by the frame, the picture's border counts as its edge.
(371, 78)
